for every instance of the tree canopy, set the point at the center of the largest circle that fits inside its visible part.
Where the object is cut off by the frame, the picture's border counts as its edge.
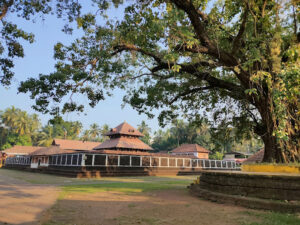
(12, 36)
(235, 60)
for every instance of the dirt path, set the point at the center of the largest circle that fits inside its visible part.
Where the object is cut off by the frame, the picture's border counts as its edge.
(164, 207)
(22, 202)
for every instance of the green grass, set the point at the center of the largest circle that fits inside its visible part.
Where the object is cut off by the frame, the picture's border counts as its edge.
(143, 185)
(272, 218)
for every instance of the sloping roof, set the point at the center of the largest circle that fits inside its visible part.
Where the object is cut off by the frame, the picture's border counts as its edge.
(256, 158)
(125, 143)
(52, 150)
(190, 148)
(75, 144)
(21, 150)
(126, 129)
(139, 153)
(238, 153)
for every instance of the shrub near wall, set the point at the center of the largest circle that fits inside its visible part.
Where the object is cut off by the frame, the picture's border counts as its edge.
(271, 168)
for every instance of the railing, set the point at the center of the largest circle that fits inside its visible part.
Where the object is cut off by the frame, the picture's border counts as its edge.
(107, 160)
(18, 160)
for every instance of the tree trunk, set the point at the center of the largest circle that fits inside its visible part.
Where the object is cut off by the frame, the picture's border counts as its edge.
(277, 150)
(271, 148)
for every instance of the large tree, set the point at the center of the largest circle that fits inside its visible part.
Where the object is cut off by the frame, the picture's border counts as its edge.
(236, 59)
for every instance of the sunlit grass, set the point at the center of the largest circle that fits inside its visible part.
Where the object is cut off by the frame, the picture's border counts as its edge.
(139, 185)
(273, 218)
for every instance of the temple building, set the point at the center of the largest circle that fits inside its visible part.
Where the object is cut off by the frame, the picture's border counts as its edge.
(192, 150)
(124, 139)
(76, 145)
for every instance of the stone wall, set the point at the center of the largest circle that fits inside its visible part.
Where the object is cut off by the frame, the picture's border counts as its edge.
(265, 186)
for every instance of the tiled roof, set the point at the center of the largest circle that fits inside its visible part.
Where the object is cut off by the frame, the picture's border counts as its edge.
(126, 129)
(75, 144)
(52, 150)
(21, 150)
(256, 158)
(139, 153)
(190, 148)
(124, 142)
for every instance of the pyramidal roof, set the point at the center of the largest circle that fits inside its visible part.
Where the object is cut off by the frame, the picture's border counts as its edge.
(125, 129)
(123, 143)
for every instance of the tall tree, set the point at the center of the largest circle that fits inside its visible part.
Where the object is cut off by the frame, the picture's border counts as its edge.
(18, 127)
(187, 55)
(145, 130)
(95, 131)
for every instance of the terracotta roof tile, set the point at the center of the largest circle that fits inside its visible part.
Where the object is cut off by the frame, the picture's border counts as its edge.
(126, 129)
(52, 150)
(256, 158)
(21, 150)
(190, 148)
(124, 142)
(139, 153)
(75, 144)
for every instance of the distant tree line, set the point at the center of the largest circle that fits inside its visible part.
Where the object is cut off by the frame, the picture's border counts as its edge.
(219, 140)
(17, 127)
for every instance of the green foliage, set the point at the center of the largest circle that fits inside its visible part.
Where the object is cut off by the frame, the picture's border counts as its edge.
(235, 62)
(12, 35)
(17, 127)
(16, 139)
(145, 130)
(217, 156)
(95, 133)
(218, 140)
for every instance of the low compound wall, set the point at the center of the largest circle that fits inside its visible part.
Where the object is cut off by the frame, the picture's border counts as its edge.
(271, 168)
(92, 172)
(265, 186)
(253, 190)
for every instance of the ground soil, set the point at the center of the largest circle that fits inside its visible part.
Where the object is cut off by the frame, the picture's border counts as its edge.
(22, 202)
(167, 207)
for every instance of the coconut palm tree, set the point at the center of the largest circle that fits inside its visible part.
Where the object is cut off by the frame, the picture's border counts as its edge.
(95, 131)
(45, 137)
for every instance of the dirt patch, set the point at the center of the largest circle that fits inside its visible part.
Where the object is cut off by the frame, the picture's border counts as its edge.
(168, 207)
(23, 203)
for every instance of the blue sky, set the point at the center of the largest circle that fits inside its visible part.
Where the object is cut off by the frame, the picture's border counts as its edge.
(39, 59)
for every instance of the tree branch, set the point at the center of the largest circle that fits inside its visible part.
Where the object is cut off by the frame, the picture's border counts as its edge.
(225, 58)
(187, 92)
(129, 47)
(5, 7)
(237, 41)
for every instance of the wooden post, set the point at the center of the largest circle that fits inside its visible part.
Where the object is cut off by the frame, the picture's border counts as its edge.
(93, 160)
(83, 160)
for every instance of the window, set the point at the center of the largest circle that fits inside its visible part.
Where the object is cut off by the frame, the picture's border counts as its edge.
(100, 160)
(74, 160)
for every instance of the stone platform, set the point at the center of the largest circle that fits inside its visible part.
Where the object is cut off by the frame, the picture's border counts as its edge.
(273, 191)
